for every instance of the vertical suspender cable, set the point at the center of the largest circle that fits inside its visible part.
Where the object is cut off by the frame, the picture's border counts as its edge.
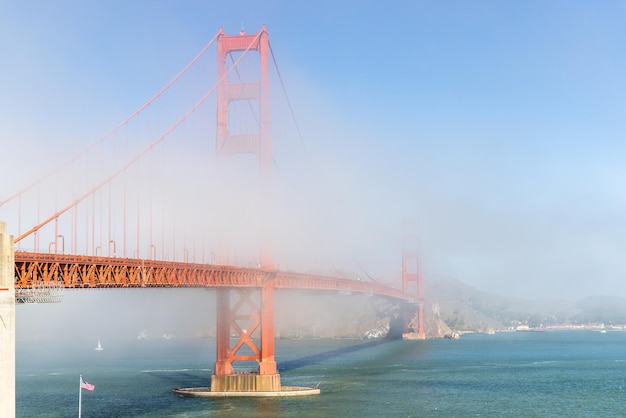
(93, 225)
(138, 206)
(150, 191)
(19, 219)
(109, 221)
(124, 207)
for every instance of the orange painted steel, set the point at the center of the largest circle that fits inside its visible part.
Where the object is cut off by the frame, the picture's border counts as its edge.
(79, 271)
(267, 363)
(414, 316)
(259, 142)
(241, 320)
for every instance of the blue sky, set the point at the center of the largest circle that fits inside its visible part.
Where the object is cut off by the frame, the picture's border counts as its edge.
(490, 133)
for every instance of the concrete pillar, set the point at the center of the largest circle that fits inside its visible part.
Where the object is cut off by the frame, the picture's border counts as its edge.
(7, 324)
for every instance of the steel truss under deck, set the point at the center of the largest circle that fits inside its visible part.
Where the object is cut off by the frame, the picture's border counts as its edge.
(75, 271)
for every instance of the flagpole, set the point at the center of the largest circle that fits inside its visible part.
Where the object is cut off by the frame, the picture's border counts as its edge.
(80, 393)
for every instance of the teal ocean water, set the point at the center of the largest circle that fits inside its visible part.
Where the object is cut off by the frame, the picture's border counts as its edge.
(524, 374)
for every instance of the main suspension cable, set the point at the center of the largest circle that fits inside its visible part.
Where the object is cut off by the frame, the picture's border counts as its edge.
(139, 155)
(282, 84)
(112, 131)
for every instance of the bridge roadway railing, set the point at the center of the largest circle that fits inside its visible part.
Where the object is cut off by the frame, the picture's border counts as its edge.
(79, 271)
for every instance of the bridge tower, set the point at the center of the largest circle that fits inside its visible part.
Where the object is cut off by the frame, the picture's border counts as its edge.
(413, 315)
(230, 316)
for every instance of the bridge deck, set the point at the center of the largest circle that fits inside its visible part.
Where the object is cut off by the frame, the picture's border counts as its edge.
(76, 271)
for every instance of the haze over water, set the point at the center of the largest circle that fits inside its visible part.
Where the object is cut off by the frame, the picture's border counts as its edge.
(512, 374)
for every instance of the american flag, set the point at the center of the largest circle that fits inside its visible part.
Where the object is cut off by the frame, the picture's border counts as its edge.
(85, 385)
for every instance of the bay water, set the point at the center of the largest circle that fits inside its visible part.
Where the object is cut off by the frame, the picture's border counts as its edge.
(518, 374)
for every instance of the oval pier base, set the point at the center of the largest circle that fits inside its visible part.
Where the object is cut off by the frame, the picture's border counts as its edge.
(205, 392)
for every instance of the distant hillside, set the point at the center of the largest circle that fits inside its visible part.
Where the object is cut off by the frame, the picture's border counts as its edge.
(609, 310)
(465, 308)
(450, 306)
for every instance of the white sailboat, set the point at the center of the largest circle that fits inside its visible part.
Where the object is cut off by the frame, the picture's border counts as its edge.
(99, 347)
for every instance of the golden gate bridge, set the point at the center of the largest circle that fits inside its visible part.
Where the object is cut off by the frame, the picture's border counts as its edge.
(182, 194)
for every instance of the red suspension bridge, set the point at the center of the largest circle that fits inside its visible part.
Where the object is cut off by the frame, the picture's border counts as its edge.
(181, 194)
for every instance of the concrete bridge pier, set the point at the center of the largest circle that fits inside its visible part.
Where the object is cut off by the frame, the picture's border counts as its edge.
(7, 324)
